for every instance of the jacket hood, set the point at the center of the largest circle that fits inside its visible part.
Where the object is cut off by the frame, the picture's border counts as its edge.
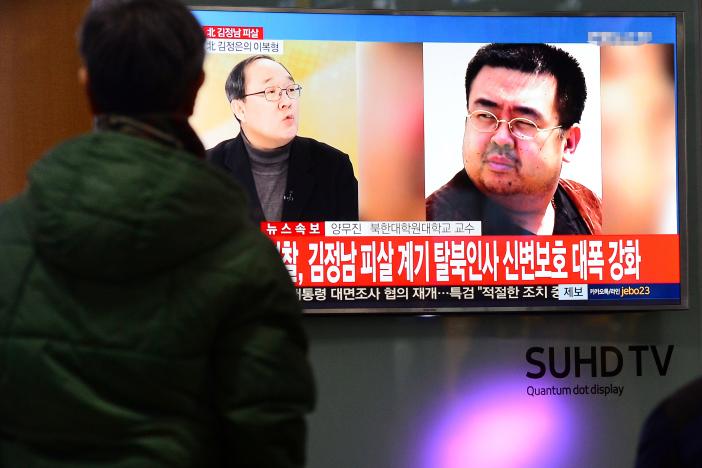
(114, 206)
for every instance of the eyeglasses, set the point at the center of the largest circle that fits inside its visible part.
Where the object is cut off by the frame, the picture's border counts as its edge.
(524, 129)
(274, 93)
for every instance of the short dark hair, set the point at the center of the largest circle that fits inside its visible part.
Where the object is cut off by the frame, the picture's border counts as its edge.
(538, 58)
(142, 56)
(235, 86)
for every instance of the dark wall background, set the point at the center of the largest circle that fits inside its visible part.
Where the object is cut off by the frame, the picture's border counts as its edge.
(41, 101)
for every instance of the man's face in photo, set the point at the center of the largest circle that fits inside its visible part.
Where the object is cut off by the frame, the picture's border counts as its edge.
(267, 124)
(500, 163)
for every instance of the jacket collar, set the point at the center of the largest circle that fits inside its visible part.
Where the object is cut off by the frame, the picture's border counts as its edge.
(167, 129)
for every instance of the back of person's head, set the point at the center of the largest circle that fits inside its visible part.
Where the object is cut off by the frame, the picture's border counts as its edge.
(538, 59)
(141, 56)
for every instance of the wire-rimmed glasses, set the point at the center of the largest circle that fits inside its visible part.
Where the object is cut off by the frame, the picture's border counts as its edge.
(274, 93)
(486, 122)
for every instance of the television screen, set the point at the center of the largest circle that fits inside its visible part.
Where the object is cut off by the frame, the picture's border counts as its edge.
(425, 163)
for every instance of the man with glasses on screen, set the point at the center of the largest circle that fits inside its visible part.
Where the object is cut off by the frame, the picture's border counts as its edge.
(524, 102)
(287, 177)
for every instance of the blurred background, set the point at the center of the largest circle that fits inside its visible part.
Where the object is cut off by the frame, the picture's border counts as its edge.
(41, 101)
(639, 159)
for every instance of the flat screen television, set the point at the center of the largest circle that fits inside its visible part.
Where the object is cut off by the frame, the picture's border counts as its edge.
(528, 210)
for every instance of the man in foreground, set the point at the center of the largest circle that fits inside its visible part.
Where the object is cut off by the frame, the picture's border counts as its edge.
(287, 177)
(524, 102)
(143, 322)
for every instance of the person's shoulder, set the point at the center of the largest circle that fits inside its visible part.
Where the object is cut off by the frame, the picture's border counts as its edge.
(12, 228)
(573, 187)
(224, 144)
(588, 204)
(86, 144)
(321, 159)
(217, 153)
(318, 149)
(451, 200)
(252, 262)
(458, 186)
(15, 242)
(249, 246)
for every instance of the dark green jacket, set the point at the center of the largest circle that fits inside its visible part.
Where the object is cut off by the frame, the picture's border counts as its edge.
(143, 323)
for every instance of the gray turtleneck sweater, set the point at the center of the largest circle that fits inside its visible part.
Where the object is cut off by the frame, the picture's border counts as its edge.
(270, 173)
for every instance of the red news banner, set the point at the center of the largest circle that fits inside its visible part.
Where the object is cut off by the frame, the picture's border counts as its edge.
(233, 32)
(416, 253)
(239, 39)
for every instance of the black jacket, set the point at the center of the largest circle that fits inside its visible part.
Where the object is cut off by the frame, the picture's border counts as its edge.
(141, 325)
(320, 185)
(578, 210)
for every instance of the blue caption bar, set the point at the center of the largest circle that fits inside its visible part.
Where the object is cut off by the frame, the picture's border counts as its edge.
(434, 28)
(619, 292)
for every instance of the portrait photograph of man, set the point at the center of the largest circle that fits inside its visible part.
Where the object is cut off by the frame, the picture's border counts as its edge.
(287, 177)
(522, 124)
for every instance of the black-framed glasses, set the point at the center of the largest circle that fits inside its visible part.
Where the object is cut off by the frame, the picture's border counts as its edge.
(274, 93)
(487, 122)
